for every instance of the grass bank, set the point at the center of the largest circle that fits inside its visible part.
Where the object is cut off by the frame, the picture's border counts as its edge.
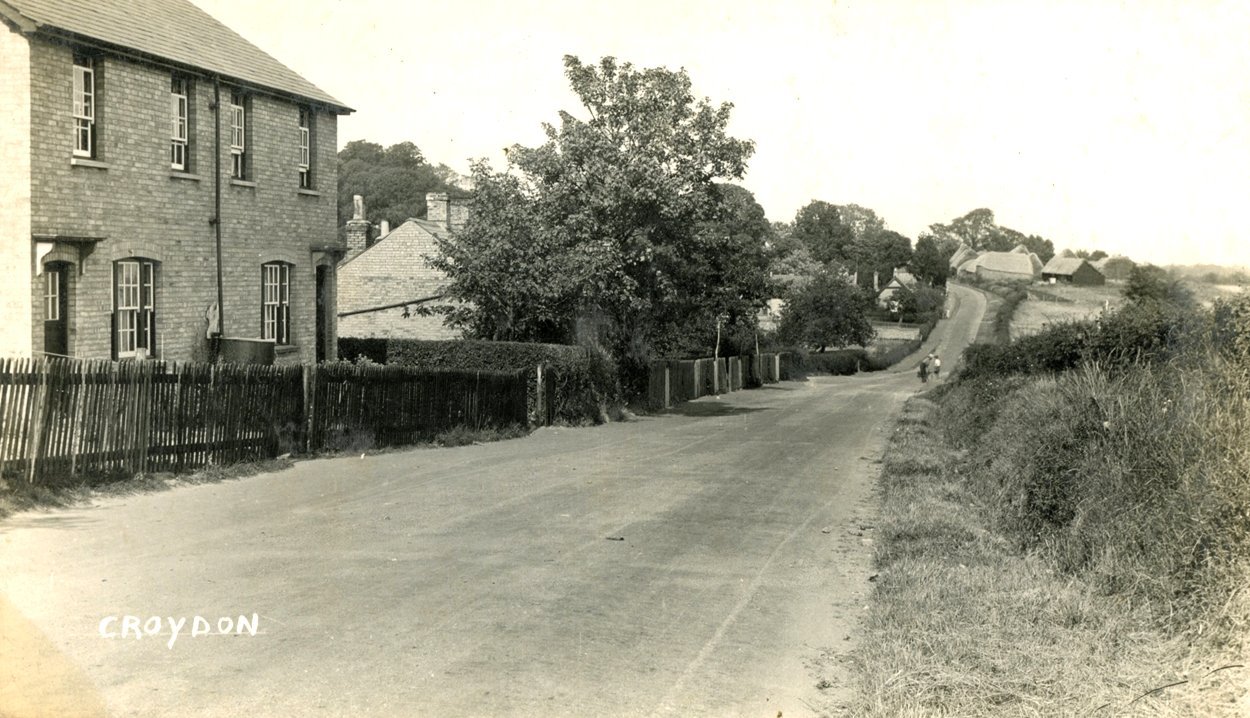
(971, 617)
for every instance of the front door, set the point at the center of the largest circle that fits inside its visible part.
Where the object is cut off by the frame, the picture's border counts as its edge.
(323, 286)
(56, 309)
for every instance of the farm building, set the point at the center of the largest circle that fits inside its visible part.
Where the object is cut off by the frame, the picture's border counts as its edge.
(1072, 270)
(1008, 266)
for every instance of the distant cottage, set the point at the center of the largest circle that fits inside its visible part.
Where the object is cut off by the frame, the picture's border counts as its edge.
(383, 282)
(902, 284)
(161, 180)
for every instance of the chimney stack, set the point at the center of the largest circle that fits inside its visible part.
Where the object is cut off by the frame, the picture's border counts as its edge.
(384, 228)
(436, 207)
(357, 228)
(458, 214)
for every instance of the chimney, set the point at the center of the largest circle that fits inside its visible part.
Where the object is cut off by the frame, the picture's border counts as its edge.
(357, 228)
(384, 229)
(458, 213)
(436, 207)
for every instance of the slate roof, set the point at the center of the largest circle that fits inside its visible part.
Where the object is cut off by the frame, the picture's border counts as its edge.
(408, 233)
(1063, 265)
(172, 30)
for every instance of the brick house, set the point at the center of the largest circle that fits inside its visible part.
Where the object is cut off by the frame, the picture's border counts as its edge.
(153, 163)
(381, 281)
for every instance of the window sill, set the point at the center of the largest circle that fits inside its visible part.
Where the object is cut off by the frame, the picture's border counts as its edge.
(175, 174)
(308, 192)
(242, 183)
(85, 162)
(283, 349)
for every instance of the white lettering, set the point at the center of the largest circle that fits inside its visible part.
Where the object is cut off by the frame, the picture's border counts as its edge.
(175, 627)
(225, 624)
(196, 629)
(104, 623)
(152, 626)
(244, 624)
(131, 623)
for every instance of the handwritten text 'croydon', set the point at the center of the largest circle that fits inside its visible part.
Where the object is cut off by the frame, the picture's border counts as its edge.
(135, 627)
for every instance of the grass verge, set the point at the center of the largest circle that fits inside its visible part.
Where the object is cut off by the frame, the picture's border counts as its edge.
(16, 495)
(965, 623)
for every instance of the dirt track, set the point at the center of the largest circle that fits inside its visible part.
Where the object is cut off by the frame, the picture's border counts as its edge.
(705, 562)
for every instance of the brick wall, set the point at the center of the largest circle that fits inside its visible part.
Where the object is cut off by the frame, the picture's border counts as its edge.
(15, 244)
(394, 269)
(144, 209)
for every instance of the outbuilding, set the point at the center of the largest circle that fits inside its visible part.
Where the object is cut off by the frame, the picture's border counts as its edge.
(1072, 270)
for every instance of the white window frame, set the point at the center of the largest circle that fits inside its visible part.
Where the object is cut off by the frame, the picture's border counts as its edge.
(179, 109)
(276, 302)
(84, 107)
(305, 148)
(238, 136)
(134, 302)
(52, 295)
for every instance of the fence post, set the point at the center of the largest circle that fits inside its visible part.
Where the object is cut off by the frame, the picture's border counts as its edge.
(540, 408)
(306, 414)
(33, 443)
(668, 387)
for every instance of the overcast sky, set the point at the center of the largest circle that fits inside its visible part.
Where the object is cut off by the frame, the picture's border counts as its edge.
(1097, 124)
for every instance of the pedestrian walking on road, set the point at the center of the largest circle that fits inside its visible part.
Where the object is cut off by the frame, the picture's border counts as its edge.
(924, 369)
(937, 365)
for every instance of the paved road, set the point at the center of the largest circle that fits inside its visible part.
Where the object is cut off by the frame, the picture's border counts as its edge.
(704, 562)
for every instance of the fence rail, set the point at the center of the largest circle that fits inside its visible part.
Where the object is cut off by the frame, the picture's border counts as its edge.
(66, 418)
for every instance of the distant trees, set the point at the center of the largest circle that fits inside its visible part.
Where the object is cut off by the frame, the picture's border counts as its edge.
(1148, 284)
(393, 180)
(853, 237)
(617, 218)
(979, 231)
(927, 263)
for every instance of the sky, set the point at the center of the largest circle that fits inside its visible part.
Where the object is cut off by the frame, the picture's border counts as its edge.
(1099, 124)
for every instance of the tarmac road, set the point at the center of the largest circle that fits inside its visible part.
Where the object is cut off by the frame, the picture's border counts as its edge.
(707, 562)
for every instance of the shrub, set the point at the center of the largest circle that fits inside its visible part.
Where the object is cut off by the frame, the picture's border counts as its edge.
(797, 363)
(585, 380)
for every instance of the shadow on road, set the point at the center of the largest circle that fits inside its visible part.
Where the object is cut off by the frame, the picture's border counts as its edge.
(712, 408)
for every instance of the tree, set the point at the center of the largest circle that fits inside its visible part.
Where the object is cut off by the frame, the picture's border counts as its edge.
(927, 263)
(627, 199)
(827, 312)
(393, 181)
(877, 254)
(819, 226)
(978, 230)
(1148, 284)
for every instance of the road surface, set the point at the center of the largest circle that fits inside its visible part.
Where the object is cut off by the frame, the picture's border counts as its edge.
(707, 562)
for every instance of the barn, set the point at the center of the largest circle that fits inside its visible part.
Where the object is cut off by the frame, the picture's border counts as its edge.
(1072, 270)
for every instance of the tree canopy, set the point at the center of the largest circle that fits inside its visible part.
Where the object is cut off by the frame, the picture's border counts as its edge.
(617, 217)
(827, 312)
(978, 230)
(393, 181)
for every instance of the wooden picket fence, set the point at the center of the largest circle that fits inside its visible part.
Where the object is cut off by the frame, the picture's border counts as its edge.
(62, 418)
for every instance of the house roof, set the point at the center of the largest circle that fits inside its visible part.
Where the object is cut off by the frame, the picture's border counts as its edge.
(175, 31)
(1020, 249)
(1007, 263)
(410, 231)
(961, 255)
(1063, 265)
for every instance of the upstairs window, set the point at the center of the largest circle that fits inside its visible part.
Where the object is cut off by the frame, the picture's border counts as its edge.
(180, 123)
(305, 148)
(84, 107)
(276, 302)
(238, 136)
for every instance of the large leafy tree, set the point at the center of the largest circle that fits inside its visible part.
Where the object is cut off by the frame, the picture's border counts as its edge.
(819, 227)
(624, 202)
(393, 180)
(978, 230)
(928, 264)
(827, 312)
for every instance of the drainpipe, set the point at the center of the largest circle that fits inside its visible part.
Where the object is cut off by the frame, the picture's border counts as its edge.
(221, 304)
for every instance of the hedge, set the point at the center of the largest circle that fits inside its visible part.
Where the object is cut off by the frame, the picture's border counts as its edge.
(585, 381)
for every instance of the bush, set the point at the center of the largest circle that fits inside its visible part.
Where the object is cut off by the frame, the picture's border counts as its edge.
(797, 364)
(585, 381)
